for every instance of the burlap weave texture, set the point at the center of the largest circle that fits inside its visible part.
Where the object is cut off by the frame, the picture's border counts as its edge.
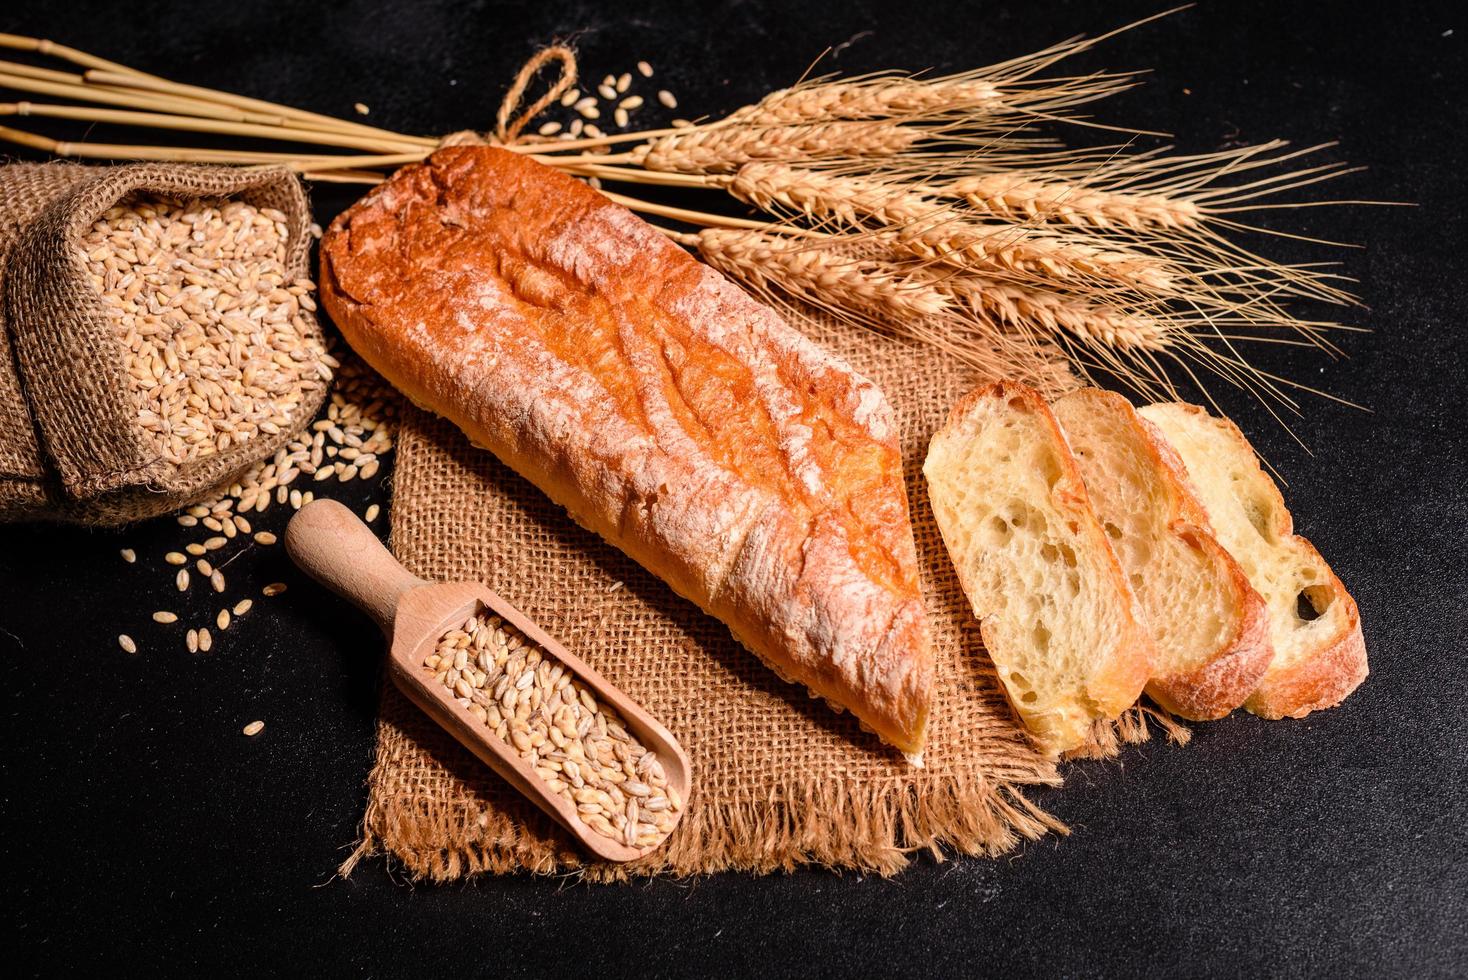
(780, 780)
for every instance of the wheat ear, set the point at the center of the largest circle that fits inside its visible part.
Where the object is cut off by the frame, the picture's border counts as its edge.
(1024, 198)
(818, 275)
(725, 149)
(1015, 306)
(881, 295)
(977, 99)
(930, 230)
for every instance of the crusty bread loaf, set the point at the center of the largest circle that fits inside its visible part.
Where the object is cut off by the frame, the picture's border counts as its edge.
(1209, 627)
(669, 412)
(1055, 611)
(1319, 651)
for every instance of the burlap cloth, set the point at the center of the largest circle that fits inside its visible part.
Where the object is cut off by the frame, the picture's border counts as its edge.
(71, 447)
(780, 780)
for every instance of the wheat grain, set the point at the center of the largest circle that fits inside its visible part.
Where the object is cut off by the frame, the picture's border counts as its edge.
(253, 728)
(127, 643)
(582, 749)
(220, 347)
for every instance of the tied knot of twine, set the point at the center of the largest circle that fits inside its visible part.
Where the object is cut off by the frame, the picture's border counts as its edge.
(508, 125)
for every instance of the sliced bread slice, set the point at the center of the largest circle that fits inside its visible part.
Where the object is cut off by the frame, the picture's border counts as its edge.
(1209, 627)
(1054, 609)
(1314, 627)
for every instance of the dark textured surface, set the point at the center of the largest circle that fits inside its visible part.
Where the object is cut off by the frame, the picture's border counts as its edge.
(144, 830)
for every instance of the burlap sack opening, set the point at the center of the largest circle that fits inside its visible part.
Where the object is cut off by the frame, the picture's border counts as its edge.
(70, 445)
(780, 780)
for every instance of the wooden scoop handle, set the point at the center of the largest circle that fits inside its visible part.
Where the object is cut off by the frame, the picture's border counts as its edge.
(333, 546)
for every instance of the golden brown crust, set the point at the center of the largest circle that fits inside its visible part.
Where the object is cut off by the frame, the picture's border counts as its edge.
(1338, 666)
(1217, 687)
(1322, 680)
(661, 406)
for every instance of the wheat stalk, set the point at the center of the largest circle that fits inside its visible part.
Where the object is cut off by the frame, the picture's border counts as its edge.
(901, 202)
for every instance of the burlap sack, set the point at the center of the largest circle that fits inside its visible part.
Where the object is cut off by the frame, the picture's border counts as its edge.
(780, 780)
(70, 445)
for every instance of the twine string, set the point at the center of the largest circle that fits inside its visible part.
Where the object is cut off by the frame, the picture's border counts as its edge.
(507, 131)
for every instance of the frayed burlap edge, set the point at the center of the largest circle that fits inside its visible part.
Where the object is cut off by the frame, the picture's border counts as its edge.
(755, 836)
(889, 825)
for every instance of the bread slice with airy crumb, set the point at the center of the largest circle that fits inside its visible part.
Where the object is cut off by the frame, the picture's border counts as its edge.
(1314, 627)
(1210, 629)
(1054, 609)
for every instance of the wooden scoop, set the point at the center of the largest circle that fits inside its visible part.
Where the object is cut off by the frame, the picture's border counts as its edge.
(336, 549)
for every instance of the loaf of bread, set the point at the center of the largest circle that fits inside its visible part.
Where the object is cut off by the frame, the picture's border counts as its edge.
(1210, 630)
(665, 409)
(1054, 609)
(1314, 628)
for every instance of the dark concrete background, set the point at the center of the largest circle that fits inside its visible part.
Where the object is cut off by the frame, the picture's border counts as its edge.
(146, 833)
